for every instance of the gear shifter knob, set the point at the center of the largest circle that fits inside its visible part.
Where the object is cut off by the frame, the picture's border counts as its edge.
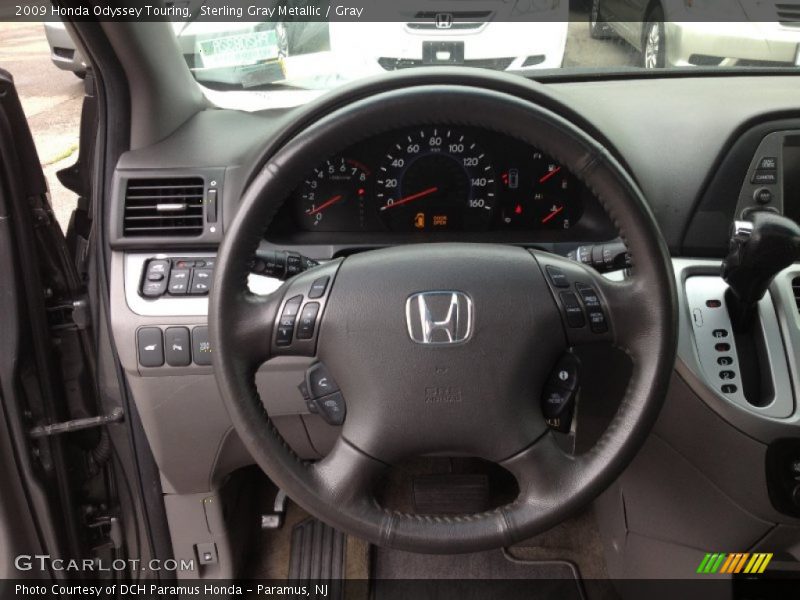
(759, 249)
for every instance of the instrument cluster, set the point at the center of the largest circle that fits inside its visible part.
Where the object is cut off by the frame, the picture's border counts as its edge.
(432, 179)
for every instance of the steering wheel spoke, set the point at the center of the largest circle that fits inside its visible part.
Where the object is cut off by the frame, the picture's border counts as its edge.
(595, 308)
(253, 328)
(347, 474)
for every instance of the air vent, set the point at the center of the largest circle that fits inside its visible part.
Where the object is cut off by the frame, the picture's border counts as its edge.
(796, 291)
(164, 207)
(788, 15)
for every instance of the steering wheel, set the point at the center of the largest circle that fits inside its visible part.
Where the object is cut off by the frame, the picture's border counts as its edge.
(461, 371)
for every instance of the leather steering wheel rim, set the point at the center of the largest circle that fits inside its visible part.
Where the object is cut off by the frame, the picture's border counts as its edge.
(553, 486)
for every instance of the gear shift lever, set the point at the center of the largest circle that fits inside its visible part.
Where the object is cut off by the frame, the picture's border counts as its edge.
(759, 249)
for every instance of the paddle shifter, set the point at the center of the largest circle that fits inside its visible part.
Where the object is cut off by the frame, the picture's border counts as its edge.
(759, 249)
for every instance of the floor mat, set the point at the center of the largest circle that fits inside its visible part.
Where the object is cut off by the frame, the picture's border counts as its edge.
(492, 574)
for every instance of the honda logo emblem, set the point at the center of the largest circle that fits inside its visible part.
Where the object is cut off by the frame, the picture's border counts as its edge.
(443, 20)
(439, 317)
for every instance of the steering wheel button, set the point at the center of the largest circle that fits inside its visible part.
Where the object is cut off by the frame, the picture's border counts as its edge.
(555, 400)
(589, 296)
(318, 287)
(284, 336)
(597, 321)
(557, 276)
(573, 309)
(332, 408)
(565, 374)
(319, 382)
(308, 320)
(292, 307)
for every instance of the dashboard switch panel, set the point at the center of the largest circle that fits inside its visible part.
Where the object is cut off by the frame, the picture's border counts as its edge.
(177, 347)
(150, 344)
(177, 277)
(201, 346)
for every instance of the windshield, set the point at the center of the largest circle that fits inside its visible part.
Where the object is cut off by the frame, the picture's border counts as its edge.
(238, 55)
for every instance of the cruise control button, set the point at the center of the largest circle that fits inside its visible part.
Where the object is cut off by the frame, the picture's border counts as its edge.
(573, 309)
(201, 347)
(176, 347)
(308, 320)
(555, 400)
(179, 281)
(597, 321)
(318, 288)
(557, 277)
(565, 373)
(150, 345)
(589, 296)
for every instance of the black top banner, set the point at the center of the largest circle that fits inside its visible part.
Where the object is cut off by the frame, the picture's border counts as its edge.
(443, 14)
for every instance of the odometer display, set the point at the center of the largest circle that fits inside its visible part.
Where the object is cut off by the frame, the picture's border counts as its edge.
(436, 179)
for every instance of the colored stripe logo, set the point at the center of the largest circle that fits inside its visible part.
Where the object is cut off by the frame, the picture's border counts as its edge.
(733, 563)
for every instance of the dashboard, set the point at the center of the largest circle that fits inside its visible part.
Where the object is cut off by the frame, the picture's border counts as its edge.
(438, 180)
(694, 145)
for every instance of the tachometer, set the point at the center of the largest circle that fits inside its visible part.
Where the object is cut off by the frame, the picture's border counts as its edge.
(332, 199)
(436, 179)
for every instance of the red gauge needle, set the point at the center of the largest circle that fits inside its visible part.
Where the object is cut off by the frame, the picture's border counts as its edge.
(325, 205)
(548, 175)
(552, 214)
(411, 198)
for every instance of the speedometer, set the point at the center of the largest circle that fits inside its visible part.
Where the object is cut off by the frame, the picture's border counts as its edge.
(436, 179)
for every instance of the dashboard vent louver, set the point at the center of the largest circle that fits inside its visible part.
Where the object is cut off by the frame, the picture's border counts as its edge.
(796, 291)
(788, 14)
(164, 207)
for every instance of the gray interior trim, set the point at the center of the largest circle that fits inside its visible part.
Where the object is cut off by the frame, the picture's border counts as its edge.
(169, 306)
(164, 94)
(756, 423)
(705, 321)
